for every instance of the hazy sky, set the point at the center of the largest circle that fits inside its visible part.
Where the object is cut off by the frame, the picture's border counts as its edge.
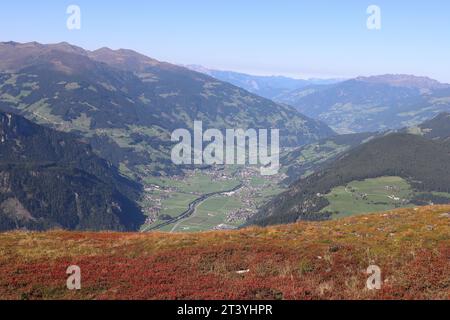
(297, 38)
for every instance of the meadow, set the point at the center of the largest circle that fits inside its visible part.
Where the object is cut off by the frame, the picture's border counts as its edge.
(370, 195)
(209, 214)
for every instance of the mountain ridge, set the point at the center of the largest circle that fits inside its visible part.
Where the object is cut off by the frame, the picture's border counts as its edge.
(376, 103)
(405, 80)
(127, 104)
(270, 87)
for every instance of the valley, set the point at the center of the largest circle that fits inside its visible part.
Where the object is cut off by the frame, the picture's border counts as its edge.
(234, 194)
(125, 105)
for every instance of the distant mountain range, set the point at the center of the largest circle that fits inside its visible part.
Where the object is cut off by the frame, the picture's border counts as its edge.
(422, 159)
(372, 103)
(363, 104)
(270, 87)
(127, 104)
(50, 179)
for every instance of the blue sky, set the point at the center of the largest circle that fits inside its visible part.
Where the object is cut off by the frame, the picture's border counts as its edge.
(296, 38)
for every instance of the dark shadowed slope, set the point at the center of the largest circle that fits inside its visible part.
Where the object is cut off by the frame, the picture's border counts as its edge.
(50, 179)
(436, 128)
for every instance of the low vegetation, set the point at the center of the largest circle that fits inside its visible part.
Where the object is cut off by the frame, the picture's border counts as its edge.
(307, 260)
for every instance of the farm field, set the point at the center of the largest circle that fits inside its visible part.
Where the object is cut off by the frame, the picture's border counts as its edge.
(303, 261)
(173, 195)
(198, 183)
(212, 212)
(176, 203)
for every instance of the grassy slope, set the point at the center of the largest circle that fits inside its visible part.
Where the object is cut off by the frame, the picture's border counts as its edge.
(302, 261)
(370, 195)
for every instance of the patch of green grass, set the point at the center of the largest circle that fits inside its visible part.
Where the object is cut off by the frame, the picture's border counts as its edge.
(205, 184)
(209, 214)
(441, 194)
(176, 204)
(258, 181)
(199, 183)
(269, 192)
(371, 195)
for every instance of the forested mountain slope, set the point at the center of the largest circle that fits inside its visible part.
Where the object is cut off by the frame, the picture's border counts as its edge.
(424, 163)
(50, 179)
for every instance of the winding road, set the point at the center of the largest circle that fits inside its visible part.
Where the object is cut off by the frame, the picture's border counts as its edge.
(191, 208)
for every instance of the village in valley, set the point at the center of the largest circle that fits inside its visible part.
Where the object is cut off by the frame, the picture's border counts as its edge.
(235, 194)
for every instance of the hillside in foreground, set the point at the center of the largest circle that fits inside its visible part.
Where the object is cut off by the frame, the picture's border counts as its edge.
(307, 260)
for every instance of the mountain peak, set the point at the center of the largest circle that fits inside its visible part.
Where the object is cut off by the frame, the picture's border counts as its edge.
(67, 47)
(15, 56)
(124, 59)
